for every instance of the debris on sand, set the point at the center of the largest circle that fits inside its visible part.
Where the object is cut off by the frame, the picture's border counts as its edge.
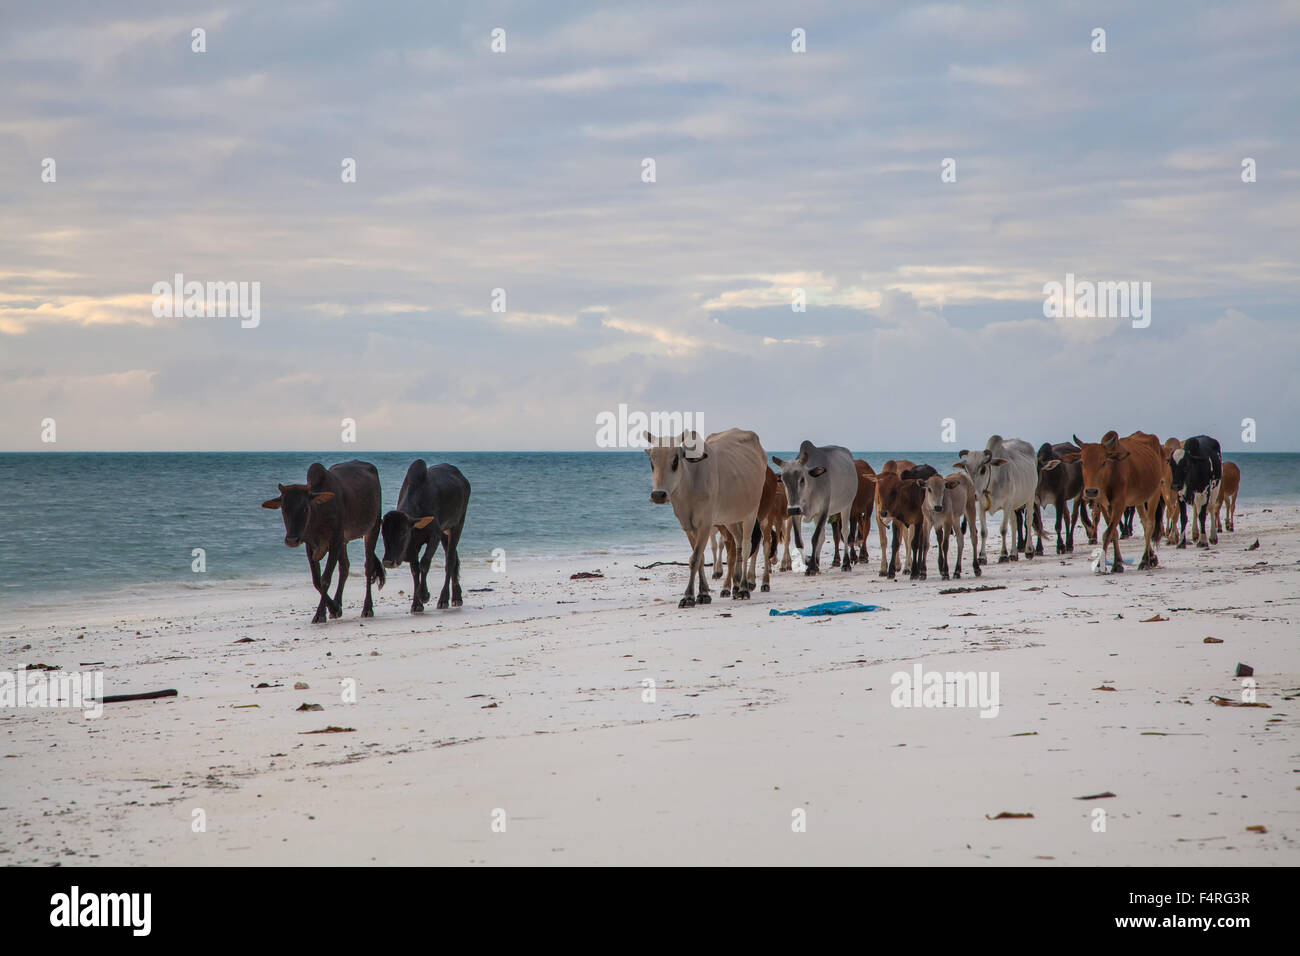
(1005, 815)
(583, 575)
(306, 706)
(1244, 670)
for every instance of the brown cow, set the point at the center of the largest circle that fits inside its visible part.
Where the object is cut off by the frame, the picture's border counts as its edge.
(1170, 446)
(860, 518)
(895, 466)
(947, 501)
(902, 503)
(1121, 473)
(331, 509)
(1228, 488)
(774, 529)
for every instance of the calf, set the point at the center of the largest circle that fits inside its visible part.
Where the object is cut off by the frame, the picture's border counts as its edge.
(1171, 533)
(430, 509)
(1228, 489)
(950, 506)
(1196, 471)
(708, 482)
(902, 503)
(1005, 478)
(820, 482)
(1120, 473)
(894, 466)
(331, 509)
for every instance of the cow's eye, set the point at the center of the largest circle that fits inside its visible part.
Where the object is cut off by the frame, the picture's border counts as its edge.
(674, 462)
(983, 469)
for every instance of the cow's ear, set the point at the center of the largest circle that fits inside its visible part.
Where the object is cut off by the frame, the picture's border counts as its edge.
(959, 464)
(778, 462)
(273, 504)
(1072, 456)
(321, 498)
(817, 472)
(998, 461)
(649, 440)
(952, 483)
(1050, 465)
(424, 521)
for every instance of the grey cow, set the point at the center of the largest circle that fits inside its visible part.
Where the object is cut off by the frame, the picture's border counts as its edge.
(820, 482)
(1005, 476)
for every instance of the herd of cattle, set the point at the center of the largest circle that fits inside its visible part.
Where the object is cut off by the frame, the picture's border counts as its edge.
(724, 494)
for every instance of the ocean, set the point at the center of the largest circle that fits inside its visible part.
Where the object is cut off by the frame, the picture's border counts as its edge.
(90, 523)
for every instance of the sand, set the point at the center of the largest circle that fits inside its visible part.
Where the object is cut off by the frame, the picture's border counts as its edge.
(515, 730)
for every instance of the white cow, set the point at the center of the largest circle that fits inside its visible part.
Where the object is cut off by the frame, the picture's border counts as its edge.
(713, 481)
(1005, 477)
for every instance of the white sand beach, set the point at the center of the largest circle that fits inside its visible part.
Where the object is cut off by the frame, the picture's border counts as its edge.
(529, 700)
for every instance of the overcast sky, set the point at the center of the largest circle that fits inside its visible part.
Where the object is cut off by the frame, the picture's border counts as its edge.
(522, 170)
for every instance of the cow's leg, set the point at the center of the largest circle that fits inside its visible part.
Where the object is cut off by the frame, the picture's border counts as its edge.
(1232, 513)
(786, 561)
(983, 556)
(941, 542)
(1182, 523)
(1114, 517)
(846, 523)
(1199, 507)
(884, 546)
(418, 570)
(1147, 513)
(698, 538)
(1008, 517)
(344, 565)
(1213, 495)
(892, 567)
(819, 536)
(768, 544)
(835, 537)
(748, 558)
(374, 571)
(920, 536)
(715, 548)
(322, 587)
(729, 546)
(451, 562)
(1033, 526)
(736, 569)
(430, 549)
(974, 540)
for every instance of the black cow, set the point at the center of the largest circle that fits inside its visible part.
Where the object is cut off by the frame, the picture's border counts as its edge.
(331, 509)
(430, 509)
(1197, 470)
(1060, 484)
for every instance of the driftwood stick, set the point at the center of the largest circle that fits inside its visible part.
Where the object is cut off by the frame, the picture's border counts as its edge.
(982, 587)
(148, 695)
(655, 564)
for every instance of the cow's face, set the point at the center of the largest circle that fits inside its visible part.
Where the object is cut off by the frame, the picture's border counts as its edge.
(980, 467)
(295, 504)
(886, 490)
(1099, 460)
(934, 491)
(396, 529)
(801, 483)
(669, 463)
(1179, 466)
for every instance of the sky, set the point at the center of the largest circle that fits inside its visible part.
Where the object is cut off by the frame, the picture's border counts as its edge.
(523, 171)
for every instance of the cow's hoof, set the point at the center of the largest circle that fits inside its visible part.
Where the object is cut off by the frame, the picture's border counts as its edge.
(456, 602)
(367, 612)
(809, 571)
(1117, 567)
(417, 607)
(725, 592)
(424, 594)
(765, 588)
(957, 573)
(978, 572)
(686, 602)
(1003, 559)
(319, 618)
(444, 604)
(1202, 543)
(1181, 545)
(1214, 539)
(1029, 555)
(703, 598)
(336, 612)
(1038, 549)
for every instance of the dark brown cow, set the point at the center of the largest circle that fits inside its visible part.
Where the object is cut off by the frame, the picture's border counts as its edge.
(902, 503)
(331, 509)
(1120, 473)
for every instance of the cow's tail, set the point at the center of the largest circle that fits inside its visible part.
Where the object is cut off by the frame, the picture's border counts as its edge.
(963, 525)
(756, 537)
(1160, 517)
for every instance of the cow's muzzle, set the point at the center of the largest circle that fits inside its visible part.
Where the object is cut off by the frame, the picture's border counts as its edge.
(791, 512)
(291, 542)
(938, 509)
(659, 497)
(1090, 494)
(390, 563)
